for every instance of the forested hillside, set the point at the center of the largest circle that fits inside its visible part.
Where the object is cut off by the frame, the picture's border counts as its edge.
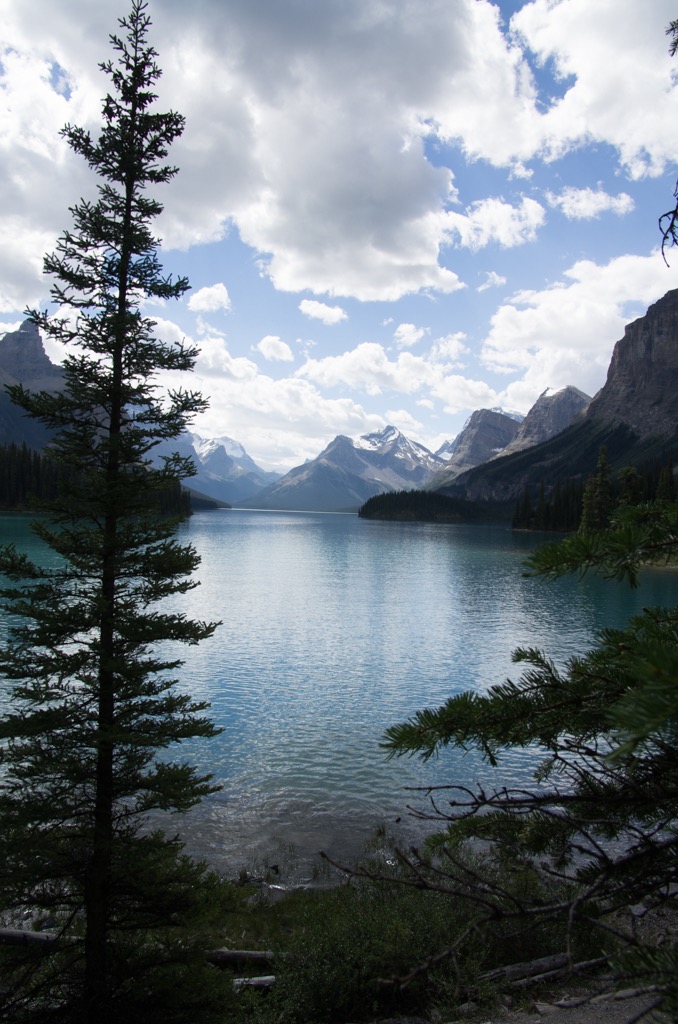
(28, 478)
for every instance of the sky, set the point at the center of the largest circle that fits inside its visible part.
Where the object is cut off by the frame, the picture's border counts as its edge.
(389, 211)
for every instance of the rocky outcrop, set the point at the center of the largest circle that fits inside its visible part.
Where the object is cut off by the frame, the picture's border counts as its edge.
(550, 415)
(23, 360)
(642, 381)
(485, 433)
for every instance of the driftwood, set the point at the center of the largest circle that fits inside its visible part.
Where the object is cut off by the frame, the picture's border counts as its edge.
(19, 937)
(265, 981)
(546, 968)
(218, 957)
(226, 957)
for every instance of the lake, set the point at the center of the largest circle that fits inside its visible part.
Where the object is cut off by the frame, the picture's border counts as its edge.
(333, 629)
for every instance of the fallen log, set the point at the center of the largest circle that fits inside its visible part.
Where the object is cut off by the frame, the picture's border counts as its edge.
(265, 981)
(19, 937)
(546, 968)
(219, 957)
(226, 957)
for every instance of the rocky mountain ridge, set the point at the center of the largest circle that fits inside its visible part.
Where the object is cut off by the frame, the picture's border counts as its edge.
(550, 415)
(642, 380)
(348, 472)
(492, 459)
(23, 360)
(485, 433)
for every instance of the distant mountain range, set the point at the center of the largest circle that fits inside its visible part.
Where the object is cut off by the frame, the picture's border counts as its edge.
(491, 460)
(348, 472)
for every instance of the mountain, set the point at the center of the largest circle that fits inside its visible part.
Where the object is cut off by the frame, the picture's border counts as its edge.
(226, 471)
(550, 415)
(349, 472)
(635, 414)
(23, 360)
(486, 432)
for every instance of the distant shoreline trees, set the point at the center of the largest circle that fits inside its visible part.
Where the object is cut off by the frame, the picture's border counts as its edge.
(29, 477)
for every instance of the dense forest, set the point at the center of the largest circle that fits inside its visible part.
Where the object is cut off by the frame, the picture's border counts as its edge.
(565, 506)
(424, 506)
(28, 478)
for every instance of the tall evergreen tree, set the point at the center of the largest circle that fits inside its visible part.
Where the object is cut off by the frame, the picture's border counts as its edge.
(91, 657)
(598, 498)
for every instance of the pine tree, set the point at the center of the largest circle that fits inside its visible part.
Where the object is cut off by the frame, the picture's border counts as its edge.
(94, 703)
(598, 498)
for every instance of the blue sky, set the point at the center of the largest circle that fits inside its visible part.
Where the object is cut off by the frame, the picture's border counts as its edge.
(390, 211)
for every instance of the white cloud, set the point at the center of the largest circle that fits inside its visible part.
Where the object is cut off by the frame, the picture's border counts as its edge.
(565, 333)
(368, 368)
(492, 280)
(493, 220)
(281, 422)
(585, 203)
(215, 360)
(307, 124)
(320, 311)
(274, 348)
(619, 80)
(210, 299)
(459, 394)
(10, 326)
(407, 335)
(407, 423)
(450, 350)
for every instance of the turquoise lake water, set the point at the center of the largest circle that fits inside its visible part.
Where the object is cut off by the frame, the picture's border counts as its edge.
(335, 628)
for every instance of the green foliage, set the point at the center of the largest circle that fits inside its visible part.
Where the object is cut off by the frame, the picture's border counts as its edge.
(598, 498)
(350, 943)
(599, 821)
(28, 479)
(88, 747)
(641, 535)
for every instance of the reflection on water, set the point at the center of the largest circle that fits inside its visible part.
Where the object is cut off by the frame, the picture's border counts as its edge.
(333, 629)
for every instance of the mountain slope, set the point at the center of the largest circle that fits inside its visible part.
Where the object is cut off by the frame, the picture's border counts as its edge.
(550, 415)
(226, 471)
(349, 472)
(486, 432)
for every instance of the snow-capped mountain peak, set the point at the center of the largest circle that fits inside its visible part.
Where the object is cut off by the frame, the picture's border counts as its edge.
(205, 446)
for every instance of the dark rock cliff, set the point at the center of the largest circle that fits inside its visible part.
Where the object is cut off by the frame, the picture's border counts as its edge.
(642, 381)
